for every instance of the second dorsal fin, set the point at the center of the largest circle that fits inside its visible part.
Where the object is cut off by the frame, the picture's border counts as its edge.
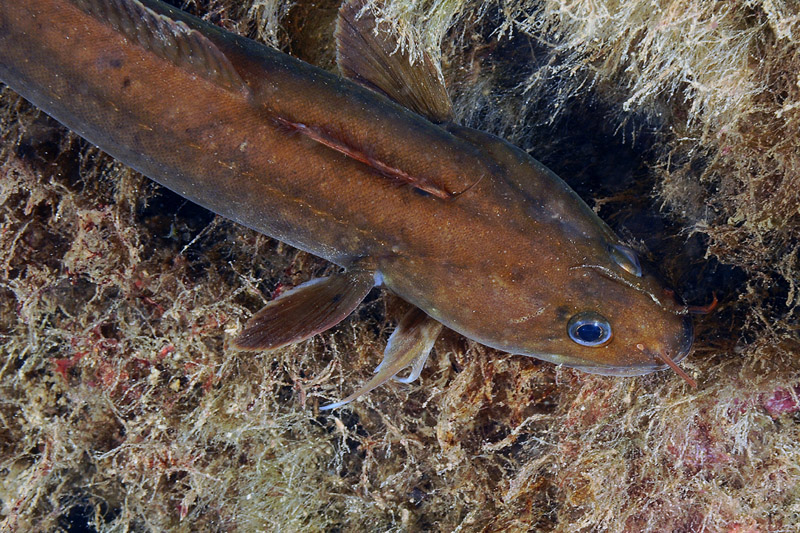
(374, 60)
(173, 40)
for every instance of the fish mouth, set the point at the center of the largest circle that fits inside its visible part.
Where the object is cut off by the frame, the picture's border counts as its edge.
(660, 361)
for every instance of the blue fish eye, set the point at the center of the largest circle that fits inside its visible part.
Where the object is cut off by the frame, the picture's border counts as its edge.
(626, 258)
(589, 329)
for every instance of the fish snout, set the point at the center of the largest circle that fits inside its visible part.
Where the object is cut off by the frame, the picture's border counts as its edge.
(684, 346)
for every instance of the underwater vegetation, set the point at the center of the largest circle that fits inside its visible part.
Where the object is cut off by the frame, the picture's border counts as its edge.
(123, 406)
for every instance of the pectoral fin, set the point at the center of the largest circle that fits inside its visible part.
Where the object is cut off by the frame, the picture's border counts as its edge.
(305, 310)
(410, 344)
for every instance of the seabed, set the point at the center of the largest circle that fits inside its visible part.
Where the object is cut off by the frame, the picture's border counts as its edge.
(124, 408)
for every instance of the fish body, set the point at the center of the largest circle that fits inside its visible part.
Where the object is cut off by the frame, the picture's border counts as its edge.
(469, 229)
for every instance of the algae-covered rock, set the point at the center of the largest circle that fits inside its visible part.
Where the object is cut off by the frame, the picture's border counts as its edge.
(123, 406)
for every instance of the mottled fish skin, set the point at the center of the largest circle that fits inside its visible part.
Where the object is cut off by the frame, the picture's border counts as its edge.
(459, 223)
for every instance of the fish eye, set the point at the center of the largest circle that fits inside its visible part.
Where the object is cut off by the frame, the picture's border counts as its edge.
(626, 258)
(589, 329)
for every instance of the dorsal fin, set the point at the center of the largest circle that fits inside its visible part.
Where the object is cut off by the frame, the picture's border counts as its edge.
(374, 59)
(170, 39)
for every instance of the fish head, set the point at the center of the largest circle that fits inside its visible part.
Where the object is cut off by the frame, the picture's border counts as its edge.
(559, 284)
(614, 317)
(588, 300)
(599, 312)
(587, 305)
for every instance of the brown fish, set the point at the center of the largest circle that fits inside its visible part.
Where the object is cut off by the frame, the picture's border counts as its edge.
(368, 171)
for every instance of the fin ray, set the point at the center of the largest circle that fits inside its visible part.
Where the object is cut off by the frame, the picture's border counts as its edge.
(305, 310)
(373, 59)
(172, 40)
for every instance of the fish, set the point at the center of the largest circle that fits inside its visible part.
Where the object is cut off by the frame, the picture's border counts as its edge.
(368, 169)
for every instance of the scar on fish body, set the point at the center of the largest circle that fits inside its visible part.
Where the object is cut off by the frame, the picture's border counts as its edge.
(369, 171)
